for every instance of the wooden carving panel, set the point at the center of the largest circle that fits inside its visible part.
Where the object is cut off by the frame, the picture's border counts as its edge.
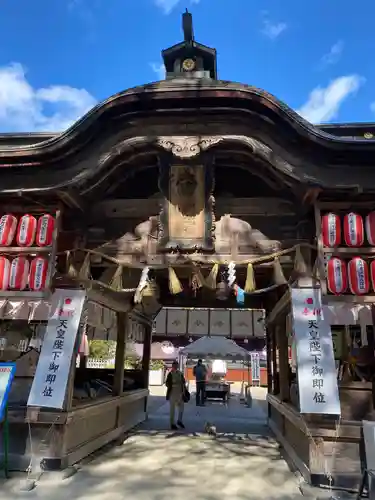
(187, 218)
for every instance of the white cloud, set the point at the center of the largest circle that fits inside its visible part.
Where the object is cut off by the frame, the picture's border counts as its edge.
(270, 28)
(324, 103)
(168, 5)
(159, 69)
(24, 108)
(334, 54)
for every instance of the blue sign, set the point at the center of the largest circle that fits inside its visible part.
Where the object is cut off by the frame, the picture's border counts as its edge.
(7, 371)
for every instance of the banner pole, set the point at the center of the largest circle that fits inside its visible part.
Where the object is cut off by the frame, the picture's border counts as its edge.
(6, 442)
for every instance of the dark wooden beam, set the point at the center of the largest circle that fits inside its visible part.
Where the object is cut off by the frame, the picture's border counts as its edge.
(311, 195)
(72, 199)
(138, 208)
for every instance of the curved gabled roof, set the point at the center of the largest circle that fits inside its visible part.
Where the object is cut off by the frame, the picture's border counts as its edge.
(160, 95)
(63, 157)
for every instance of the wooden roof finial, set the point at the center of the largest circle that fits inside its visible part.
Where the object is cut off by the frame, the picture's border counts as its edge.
(187, 26)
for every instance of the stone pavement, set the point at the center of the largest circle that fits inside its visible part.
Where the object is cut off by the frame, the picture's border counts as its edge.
(242, 462)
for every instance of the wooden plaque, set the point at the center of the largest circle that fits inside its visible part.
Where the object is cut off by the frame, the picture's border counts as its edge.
(187, 221)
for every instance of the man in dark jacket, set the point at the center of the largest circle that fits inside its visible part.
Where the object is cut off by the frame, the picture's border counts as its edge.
(176, 386)
(200, 374)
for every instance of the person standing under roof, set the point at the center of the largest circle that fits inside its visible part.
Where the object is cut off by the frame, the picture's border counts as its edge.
(176, 386)
(200, 374)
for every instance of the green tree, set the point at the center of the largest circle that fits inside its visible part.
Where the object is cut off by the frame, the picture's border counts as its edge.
(100, 349)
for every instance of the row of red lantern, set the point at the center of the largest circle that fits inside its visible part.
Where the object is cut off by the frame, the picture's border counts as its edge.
(353, 228)
(357, 274)
(27, 231)
(19, 273)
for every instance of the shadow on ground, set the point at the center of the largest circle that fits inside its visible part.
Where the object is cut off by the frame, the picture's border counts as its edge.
(154, 464)
(242, 462)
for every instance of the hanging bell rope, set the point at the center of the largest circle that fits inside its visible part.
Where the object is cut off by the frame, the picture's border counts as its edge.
(212, 277)
(250, 285)
(175, 286)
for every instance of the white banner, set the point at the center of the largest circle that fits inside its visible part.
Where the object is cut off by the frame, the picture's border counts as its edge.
(176, 321)
(242, 323)
(220, 322)
(198, 322)
(52, 372)
(317, 379)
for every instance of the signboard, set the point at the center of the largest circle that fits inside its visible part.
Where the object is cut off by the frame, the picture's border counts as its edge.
(317, 379)
(7, 371)
(255, 366)
(52, 372)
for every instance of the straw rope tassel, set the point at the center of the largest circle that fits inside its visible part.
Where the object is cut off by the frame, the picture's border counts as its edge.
(211, 278)
(72, 270)
(84, 271)
(175, 286)
(278, 273)
(116, 281)
(197, 278)
(299, 262)
(200, 277)
(250, 285)
(316, 270)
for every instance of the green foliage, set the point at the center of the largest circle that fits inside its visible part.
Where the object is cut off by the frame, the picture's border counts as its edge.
(133, 363)
(101, 349)
(157, 364)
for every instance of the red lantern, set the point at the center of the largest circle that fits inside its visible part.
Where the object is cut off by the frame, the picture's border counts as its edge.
(331, 230)
(19, 273)
(337, 277)
(4, 273)
(44, 231)
(38, 274)
(358, 276)
(370, 228)
(26, 231)
(8, 226)
(353, 230)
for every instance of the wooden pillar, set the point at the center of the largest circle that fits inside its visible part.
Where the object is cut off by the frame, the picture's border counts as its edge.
(122, 327)
(146, 354)
(282, 342)
(68, 404)
(320, 253)
(275, 375)
(269, 348)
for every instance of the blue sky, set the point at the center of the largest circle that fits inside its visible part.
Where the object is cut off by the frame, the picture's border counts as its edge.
(60, 57)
